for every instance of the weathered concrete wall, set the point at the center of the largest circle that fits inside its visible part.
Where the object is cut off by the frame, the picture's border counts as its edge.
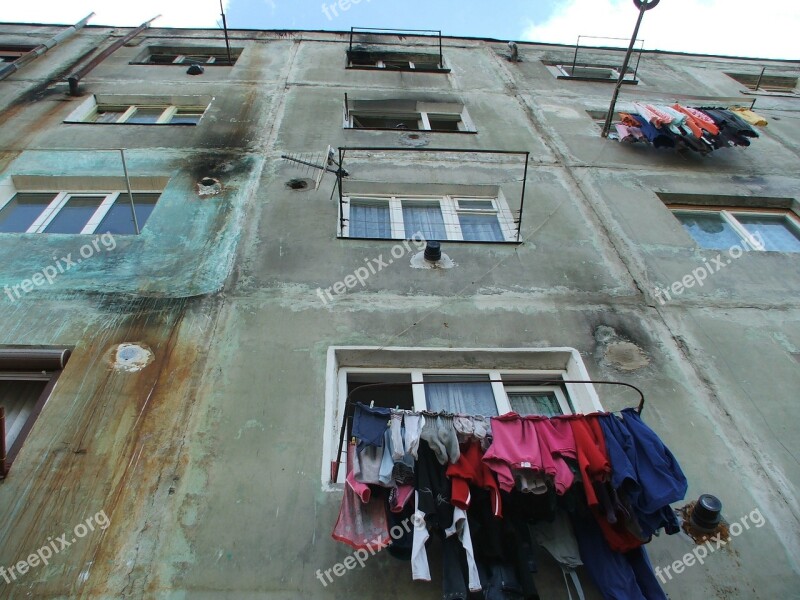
(208, 460)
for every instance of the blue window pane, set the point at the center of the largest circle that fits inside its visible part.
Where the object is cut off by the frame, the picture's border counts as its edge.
(424, 218)
(775, 233)
(370, 220)
(119, 219)
(75, 214)
(23, 209)
(709, 230)
(145, 115)
(480, 228)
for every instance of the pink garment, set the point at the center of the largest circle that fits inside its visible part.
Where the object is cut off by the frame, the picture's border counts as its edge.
(657, 117)
(557, 442)
(515, 446)
(399, 497)
(360, 525)
(362, 490)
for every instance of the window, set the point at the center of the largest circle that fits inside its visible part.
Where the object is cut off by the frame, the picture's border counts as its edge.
(10, 53)
(758, 230)
(408, 115)
(188, 55)
(141, 110)
(766, 83)
(436, 218)
(79, 212)
(395, 61)
(494, 386)
(27, 378)
(145, 115)
(590, 72)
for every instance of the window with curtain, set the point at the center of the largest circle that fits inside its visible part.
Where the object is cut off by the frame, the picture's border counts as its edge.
(775, 231)
(425, 218)
(722, 229)
(463, 398)
(535, 403)
(480, 228)
(370, 219)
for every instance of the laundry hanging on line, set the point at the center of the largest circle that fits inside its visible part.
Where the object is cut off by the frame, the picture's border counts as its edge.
(487, 487)
(701, 130)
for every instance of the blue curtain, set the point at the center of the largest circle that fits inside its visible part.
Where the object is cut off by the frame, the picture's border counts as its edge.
(710, 231)
(774, 232)
(463, 398)
(370, 220)
(480, 228)
(424, 218)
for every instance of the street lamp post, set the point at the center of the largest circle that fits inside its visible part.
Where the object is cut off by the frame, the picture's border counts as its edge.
(642, 5)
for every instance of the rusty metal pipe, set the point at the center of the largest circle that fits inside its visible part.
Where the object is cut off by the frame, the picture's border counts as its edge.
(76, 76)
(42, 48)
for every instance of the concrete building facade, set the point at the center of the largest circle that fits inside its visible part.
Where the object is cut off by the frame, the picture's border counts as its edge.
(200, 407)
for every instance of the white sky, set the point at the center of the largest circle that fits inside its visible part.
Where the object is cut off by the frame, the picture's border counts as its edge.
(174, 13)
(756, 28)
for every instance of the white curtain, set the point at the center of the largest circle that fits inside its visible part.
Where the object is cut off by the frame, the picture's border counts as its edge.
(463, 398)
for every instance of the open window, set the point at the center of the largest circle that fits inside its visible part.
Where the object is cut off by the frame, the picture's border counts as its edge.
(388, 49)
(765, 83)
(33, 204)
(11, 52)
(140, 110)
(407, 115)
(526, 381)
(27, 379)
(212, 56)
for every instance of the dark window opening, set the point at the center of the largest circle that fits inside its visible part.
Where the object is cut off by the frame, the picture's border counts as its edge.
(386, 122)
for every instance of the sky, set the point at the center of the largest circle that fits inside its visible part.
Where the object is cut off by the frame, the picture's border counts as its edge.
(701, 26)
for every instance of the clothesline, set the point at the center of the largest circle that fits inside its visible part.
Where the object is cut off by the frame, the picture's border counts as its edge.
(335, 464)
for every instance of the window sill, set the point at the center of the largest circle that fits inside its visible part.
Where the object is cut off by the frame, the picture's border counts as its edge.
(140, 124)
(599, 79)
(185, 65)
(395, 240)
(409, 70)
(409, 130)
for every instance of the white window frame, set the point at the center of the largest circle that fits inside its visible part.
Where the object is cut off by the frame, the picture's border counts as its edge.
(60, 201)
(579, 398)
(729, 216)
(424, 109)
(450, 211)
(168, 112)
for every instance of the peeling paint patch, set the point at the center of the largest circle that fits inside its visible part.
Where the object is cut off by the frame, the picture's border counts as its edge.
(131, 357)
(251, 424)
(626, 356)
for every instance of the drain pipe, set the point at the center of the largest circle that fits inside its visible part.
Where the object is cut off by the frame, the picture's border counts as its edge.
(42, 48)
(76, 76)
